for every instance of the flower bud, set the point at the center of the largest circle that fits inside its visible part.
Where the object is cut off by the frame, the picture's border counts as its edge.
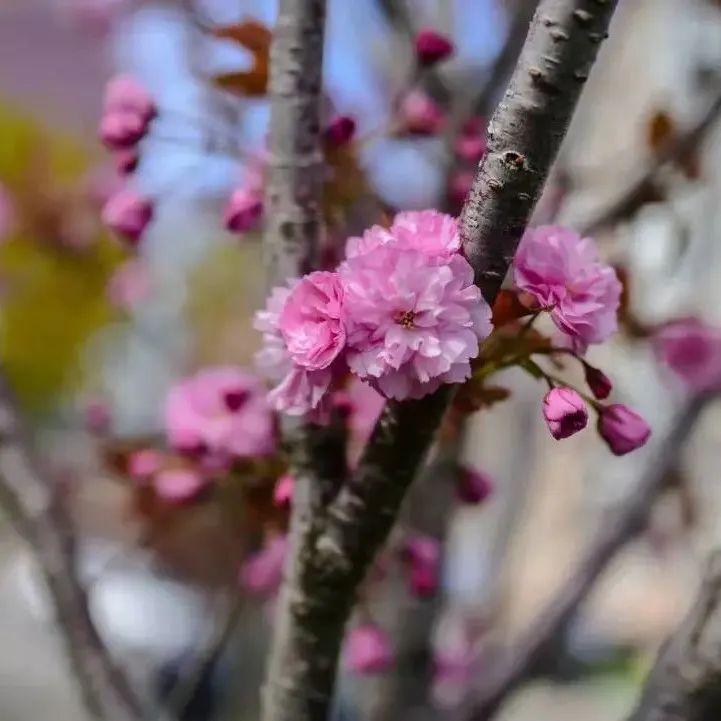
(599, 383)
(432, 47)
(120, 130)
(341, 130)
(127, 213)
(368, 649)
(243, 211)
(565, 412)
(622, 429)
(474, 487)
(419, 115)
(124, 93)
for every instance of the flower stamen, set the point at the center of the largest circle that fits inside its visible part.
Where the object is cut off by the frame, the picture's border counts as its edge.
(405, 318)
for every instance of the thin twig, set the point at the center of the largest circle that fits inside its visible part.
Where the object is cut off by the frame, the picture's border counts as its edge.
(42, 520)
(685, 683)
(633, 199)
(621, 526)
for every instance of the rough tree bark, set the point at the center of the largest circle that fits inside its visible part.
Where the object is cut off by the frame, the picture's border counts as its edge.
(41, 519)
(340, 541)
(622, 525)
(685, 683)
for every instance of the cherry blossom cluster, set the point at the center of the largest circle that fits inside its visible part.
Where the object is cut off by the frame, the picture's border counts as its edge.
(401, 313)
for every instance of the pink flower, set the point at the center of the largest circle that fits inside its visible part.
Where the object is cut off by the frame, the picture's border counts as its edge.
(283, 491)
(373, 238)
(413, 322)
(97, 417)
(179, 485)
(423, 554)
(565, 412)
(126, 94)
(471, 142)
(262, 572)
(599, 383)
(474, 487)
(340, 130)
(128, 213)
(432, 47)
(301, 391)
(563, 273)
(692, 350)
(419, 115)
(121, 130)
(272, 360)
(221, 410)
(366, 405)
(144, 464)
(622, 429)
(431, 232)
(244, 210)
(129, 284)
(368, 649)
(312, 322)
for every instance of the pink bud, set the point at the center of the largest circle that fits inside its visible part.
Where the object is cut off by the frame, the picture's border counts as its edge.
(368, 649)
(97, 417)
(262, 572)
(599, 383)
(458, 188)
(419, 115)
(471, 142)
(244, 210)
(124, 93)
(340, 130)
(179, 485)
(128, 214)
(474, 487)
(122, 129)
(565, 412)
(622, 429)
(144, 464)
(283, 491)
(423, 555)
(432, 47)
(126, 160)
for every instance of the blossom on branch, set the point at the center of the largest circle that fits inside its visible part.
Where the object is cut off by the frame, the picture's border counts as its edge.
(622, 429)
(564, 275)
(565, 412)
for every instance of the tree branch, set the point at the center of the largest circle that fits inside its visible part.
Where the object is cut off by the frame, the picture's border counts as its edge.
(622, 526)
(42, 521)
(685, 682)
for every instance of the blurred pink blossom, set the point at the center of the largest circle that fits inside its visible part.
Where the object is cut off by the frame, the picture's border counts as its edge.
(432, 47)
(368, 649)
(262, 572)
(423, 554)
(221, 410)
(474, 487)
(129, 284)
(283, 491)
(144, 464)
(128, 214)
(244, 210)
(419, 115)
(692, 350)
(179, 485)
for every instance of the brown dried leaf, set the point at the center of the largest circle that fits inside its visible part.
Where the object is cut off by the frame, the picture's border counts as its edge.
(660, 131)
(254, 37)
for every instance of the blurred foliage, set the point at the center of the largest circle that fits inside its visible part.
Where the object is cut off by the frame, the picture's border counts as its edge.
(254, 37)
(53, 296)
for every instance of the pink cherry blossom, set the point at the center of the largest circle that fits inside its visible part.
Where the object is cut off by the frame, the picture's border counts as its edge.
(340, 130)
(413, 322)
(423, 554)
(623, 429)
(301, 391)
(179, 485)
(120, 129)
(432, 47)
(244, 210)
(564, 274)
(312, 321)
(128, 214)
(368, 649)
(419, 115)
(283, 491)
(431, 232)
(129, 284)
(262, 572)
(273, 360)
(222, 410)
(565, 412)
(692, 350)
(474, 486)
(144, 464)
(124, 93)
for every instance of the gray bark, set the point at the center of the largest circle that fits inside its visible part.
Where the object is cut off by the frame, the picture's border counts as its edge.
(685, 682)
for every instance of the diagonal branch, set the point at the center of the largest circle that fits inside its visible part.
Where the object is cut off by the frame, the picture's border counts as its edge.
(685, 682)
(43, 522)
(622, 526)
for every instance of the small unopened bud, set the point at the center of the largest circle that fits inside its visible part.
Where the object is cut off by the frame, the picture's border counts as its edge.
(419, 115)
(432, 47)
(340, 130)
(128, 213)
(124, 93)
(244, 210)
(599, 383)
(474, 486)
(622, 429)
(565, 412)
(121, 130)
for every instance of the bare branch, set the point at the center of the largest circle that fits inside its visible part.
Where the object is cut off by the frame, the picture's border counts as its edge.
(685, 683)
(637, 195)
(622, 526)
(42, 520)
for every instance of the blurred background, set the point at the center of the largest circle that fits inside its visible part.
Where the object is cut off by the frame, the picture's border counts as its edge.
(95, 331)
